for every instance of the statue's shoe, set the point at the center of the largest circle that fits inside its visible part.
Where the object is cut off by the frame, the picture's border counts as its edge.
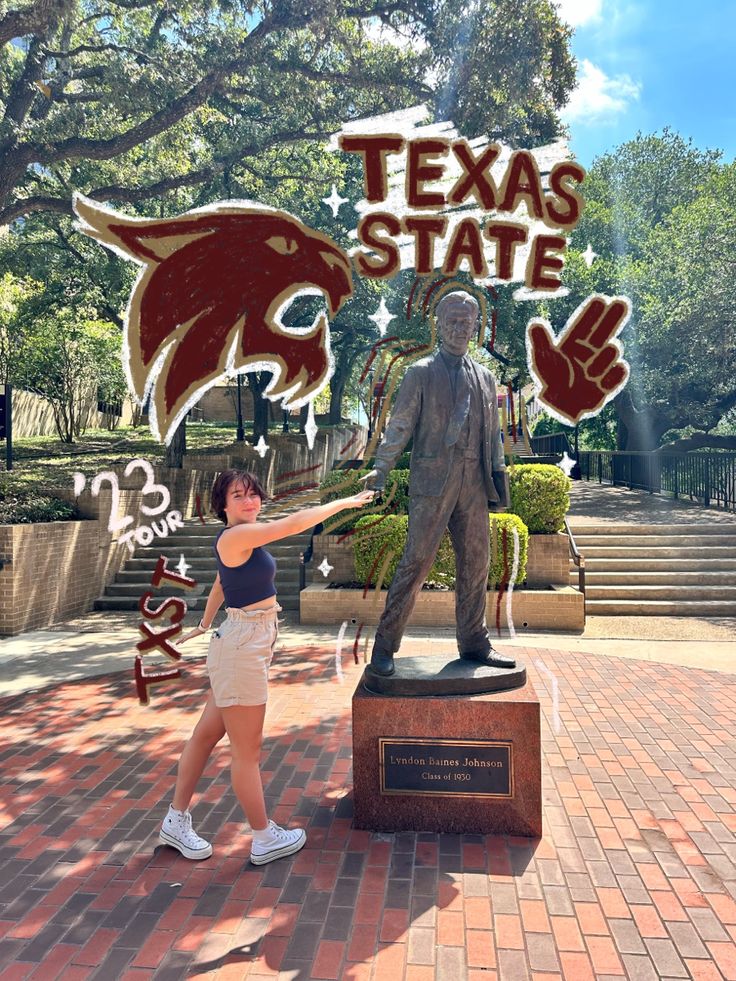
(490, 657)
(382, 662)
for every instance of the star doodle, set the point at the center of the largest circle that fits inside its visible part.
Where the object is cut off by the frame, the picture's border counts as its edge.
(261, 447)
(589, 256)
(311, 427)
(334, 201)
(183, 565)
(566, 464)
(325, 568)
(382, 317)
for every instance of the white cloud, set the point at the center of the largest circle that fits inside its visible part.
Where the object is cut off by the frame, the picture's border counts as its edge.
(598, 97)
(577, 12)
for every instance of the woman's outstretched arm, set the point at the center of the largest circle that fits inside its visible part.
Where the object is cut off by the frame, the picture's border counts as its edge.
(263, 532)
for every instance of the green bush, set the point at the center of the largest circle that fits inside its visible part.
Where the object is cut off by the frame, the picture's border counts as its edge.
(400, 499)
(500, 567)
(376, 533)
(540, 495)
(341, 483)
(344, 483)
(389, 535)
(32, 508)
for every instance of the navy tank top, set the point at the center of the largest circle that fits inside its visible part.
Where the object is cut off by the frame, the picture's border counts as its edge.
(250, 582)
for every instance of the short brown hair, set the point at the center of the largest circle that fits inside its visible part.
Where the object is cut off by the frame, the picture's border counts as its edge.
(218, 496)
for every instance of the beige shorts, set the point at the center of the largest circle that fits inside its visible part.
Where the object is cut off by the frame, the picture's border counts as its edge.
(240, 655)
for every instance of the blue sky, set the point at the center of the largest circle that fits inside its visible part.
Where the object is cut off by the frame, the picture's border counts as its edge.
(647, 64)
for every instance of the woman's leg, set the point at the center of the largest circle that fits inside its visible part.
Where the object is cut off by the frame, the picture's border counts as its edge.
(207, 733)
(244, 725)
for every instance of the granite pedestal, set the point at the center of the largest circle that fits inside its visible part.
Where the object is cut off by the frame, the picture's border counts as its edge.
(464, 763)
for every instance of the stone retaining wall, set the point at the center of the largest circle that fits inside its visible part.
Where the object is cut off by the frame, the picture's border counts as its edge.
(56, 570)
(548, 560)
(557, 608)
(53, 571)
(288, 454)
(33, 415)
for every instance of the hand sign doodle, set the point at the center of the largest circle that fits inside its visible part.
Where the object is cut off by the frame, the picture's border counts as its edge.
(580, 371)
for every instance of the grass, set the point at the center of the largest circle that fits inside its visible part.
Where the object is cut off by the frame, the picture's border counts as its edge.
(44, 461)
(41, 462)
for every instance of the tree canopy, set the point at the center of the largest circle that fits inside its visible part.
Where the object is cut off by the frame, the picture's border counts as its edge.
(160, 108)
(661, 215)
(131, 99)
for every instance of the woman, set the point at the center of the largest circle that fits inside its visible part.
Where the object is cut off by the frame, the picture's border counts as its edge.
(238, 660)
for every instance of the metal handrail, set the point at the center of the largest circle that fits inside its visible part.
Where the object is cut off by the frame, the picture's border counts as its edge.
(305, 557)
(706, 477)
(579, 561)
(551, 443)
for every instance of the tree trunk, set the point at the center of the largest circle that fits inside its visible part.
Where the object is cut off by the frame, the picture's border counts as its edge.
(178, 446)
(337, 392)
(136, 414)
(303, 416)
(258, 382)
(639, 429)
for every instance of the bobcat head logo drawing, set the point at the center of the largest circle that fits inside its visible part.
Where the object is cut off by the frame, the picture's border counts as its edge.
(208, 302)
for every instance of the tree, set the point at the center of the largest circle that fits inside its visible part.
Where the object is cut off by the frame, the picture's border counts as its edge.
(66, 360)
(686, 331)
(174, 456)
(633, 188)
(135, 100)
(132, 99)
(14, 292)
(167, 107)
(660, 214)
(504, 68)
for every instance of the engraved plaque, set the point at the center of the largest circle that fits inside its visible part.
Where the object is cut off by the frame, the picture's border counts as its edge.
(447, 767)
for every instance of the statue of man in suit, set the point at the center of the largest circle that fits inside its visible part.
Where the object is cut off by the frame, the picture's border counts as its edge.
(448, 404)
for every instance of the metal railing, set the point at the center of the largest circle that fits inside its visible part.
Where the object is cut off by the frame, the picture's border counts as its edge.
(550, 444)
(305, 557)
(579, 561)
(709, 478)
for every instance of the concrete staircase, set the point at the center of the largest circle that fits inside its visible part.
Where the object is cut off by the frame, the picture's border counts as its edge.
(518, 448)
(658, 570)
(194, 541)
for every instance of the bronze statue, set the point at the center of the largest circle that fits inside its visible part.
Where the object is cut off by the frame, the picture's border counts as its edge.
(448, 404)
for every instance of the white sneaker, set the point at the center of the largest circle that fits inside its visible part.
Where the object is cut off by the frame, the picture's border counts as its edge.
(177, 831)
(282, 842)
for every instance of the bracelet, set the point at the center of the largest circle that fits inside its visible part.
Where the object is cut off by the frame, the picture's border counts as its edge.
(202, 626)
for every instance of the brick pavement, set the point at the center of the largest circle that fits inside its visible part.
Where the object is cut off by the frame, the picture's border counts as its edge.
(635, 875)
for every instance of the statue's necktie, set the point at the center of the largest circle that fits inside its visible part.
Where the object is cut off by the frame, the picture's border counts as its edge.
(461, 407)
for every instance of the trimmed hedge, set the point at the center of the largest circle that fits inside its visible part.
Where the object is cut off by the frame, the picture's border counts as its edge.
(29, 509)
(389, 535)
(540, 495)
(348, 482)
(342, 483)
